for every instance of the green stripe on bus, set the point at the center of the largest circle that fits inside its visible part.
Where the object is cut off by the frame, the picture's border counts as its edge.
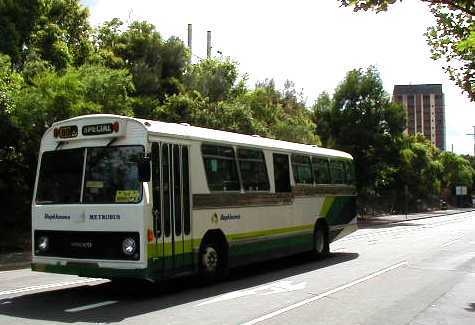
(327, 204)
(266, 246)
(166, 249)
(270, 232)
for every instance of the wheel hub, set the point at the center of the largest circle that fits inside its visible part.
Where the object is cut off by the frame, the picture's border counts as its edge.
(210, 259)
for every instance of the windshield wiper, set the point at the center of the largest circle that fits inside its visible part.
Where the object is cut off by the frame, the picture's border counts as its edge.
(60, 143)
(111, 142)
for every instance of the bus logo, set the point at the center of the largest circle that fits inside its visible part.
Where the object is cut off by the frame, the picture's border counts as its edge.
(214, 218)
(77, 244)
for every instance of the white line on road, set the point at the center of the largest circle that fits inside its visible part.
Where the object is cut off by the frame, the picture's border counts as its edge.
(451, 242)
(92, 306)
(325, 294)
(47, 286)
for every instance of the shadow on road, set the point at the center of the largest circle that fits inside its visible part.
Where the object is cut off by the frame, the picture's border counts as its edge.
(142, 299)
(471, 307)
(388, 225)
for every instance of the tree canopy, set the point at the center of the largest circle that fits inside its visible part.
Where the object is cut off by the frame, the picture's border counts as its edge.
(452, 39)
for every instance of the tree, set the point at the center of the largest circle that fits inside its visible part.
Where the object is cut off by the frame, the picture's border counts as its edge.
(54, 96)
(13, 169)
(61, 35)
(157, 65)
(18, 18)
(216, 79)
(451, 40)
(359, 118)
(457, 171)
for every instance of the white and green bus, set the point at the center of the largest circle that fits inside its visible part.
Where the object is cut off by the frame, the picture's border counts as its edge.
(120, 197)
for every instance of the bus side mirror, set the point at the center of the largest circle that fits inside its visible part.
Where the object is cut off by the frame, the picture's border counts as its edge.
(143, 166)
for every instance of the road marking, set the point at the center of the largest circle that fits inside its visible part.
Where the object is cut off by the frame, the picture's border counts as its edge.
(92, 306)
(47, 286)
(451, 242)
(325, 294)
(264, 290)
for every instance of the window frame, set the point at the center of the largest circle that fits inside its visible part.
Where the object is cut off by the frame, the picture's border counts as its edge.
(83, 176)
(309, 158)
(234, 160)
(337, 160)
(315, 165)
(238, 161)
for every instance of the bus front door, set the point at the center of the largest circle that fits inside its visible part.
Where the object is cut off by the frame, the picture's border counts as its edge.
(174, 210)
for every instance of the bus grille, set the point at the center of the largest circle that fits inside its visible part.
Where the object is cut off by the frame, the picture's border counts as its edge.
(86, 244)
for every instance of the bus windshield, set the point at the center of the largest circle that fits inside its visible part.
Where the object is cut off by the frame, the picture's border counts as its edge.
(111, 176)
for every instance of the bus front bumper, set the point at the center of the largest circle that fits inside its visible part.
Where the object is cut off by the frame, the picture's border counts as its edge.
(91, 269)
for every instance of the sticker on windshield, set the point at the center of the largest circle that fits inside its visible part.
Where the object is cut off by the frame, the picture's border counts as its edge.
(127, 196)
(94, 184)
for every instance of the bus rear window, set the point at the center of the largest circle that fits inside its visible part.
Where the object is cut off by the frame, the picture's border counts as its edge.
(60, 177)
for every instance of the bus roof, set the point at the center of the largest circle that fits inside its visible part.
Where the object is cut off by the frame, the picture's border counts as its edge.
(186, 131)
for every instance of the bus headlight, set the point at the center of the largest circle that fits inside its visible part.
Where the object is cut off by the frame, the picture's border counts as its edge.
(43, 243)
(129, 246)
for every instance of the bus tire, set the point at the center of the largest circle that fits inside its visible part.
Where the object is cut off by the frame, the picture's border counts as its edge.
(213, 261)
(321, 242)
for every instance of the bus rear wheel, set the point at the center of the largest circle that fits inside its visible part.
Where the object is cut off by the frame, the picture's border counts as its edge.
(321, 243)
(213, 262)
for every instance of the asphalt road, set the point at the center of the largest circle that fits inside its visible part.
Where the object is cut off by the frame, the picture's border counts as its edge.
(419, 272)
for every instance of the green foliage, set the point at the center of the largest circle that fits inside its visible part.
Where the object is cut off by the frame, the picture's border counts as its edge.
(61, 34)
(54, 96)
(157, 65)
(213, 78)
(10, 83)
(457, 170)
(451, 40)
(18, 18)
(360, 119)
(418, 167)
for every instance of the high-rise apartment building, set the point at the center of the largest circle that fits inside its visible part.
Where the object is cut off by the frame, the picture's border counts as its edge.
(425, 110)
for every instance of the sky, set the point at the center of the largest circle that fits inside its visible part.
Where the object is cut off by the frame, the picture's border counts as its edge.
(312, 43)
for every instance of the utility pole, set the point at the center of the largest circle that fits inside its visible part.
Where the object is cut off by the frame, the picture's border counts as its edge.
(208, 44)
(190, 40)
(473, 134)
(190, 35)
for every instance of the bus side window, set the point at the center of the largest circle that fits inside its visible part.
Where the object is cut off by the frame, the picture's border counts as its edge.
(350, 172)
(337, 168)
(302, 169)
(321, 170)
(220, 167)
(252, 166)
(281, 173)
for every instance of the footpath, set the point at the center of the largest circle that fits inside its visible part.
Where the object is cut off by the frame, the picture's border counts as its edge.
(395, 218)
(21, 260)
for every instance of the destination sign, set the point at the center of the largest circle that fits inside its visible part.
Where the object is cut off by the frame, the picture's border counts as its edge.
(98, 129)
(65, 132)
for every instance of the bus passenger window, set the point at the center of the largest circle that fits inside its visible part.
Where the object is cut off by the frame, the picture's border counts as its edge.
(337, 171)
(220, 167)
(302, 169)
(321, 170)
(281, 173)
(350, 172)
(252, 166)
